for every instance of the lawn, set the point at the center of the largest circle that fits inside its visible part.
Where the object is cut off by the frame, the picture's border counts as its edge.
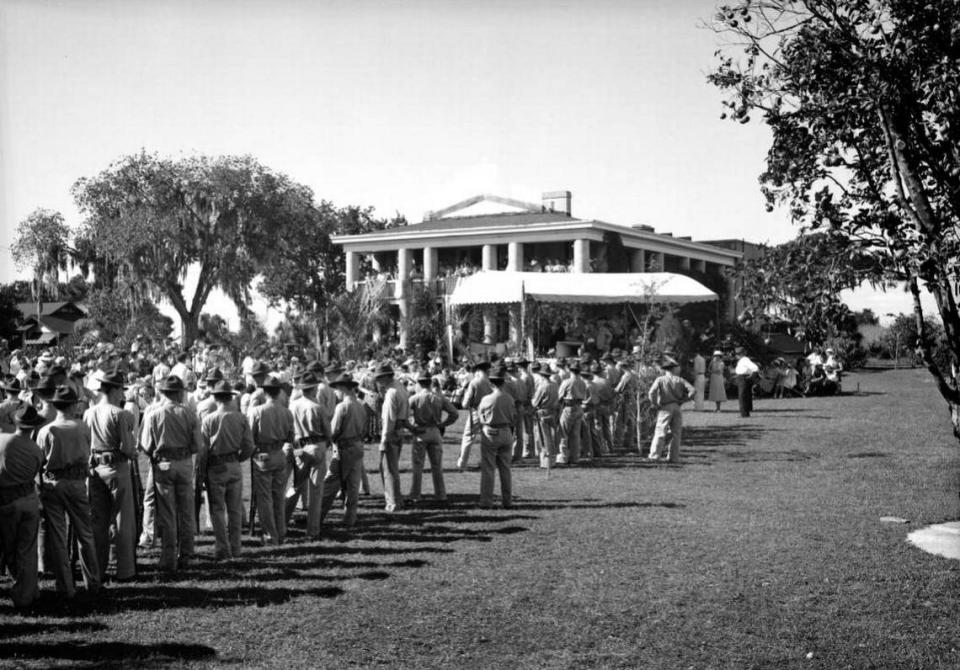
(764, 548)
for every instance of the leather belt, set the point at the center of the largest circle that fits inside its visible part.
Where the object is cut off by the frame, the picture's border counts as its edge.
(109, 457)
(270, 446)
(10, 493)
(217, 459)
(75, 471)
(313, 439)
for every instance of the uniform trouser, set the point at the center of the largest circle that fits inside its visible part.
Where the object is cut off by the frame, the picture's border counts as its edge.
(269, 483)
(64, 498)
(176, 520)
(225, 501)
(496, 447)
(603, 415)
(310, 469)
(149, 509)
(390, 472)
(669, 420)
(471, 436)
(745, 394)
(546, 437)
(626, 435)
(111, 504)
(570, 420)
(589, 444)
(19, 525)
(428, 444)
(346, 466)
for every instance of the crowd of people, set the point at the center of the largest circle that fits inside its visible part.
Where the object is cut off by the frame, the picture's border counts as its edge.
(75, 430)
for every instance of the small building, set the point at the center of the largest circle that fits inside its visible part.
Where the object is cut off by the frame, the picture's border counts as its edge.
(524, 236)
(55, 324)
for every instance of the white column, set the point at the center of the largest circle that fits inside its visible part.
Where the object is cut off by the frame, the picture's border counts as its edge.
(404, 260)
(731, 299)
(581, 255)
(515, 256)
(404, 312)
(353, 270)
(489, 257)
(429, 264)
(516, 336)
(489, 324)
(374, 262)
(638, 261)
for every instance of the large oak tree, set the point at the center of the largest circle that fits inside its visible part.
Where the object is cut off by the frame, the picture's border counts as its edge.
(863, 101)
(155, 218)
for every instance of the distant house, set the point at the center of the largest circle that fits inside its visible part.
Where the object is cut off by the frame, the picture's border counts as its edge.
(56, 322)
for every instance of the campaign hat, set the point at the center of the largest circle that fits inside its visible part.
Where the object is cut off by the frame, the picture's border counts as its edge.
(171, 384)
(259, 368)
(498, 373)
(314, 366)
(343, 380)
(523, 362)
(272, 382)
(383, 370)
(112, 378)
(482, 365)
(535, 367)
(575, 367)
(307, 380)
(669, 362)
(213, 375)
(424, 378)
(333, 369)
(27, 416)
(47, 384)
(12, 385)
(65, 395)
(222, 388)
(608, 358)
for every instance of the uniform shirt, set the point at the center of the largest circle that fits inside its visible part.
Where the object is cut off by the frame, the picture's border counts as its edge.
(309, 419)
(427, 408)
(226, 431)
(207, 406)
(745, 367)
(327, 399)
(111, 429)
(160, 372)
(604, 391)
(699, 365)
(20, 460)
(396, 409)
(497, 409)
(478, 388)
(170, 425)
(668, 389)
(573, 389)
(593, 397)
(65, 443)
(349, 421)
(271, 423)
(613, 375)
(251, 400)
(529, 385)
(547, 395)
(7, 408)
(628, 381)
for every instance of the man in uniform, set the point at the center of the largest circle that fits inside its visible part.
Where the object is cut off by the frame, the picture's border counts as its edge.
(667, 393)
(572, 391)
(111, 489)
(603, 411)
(311, 432)
(589, 439)
(426, 422)
(745, 373)
(497, 413)
(348, 427)
(477, 388)
(396, 409)
(20, 463)
(625, 436)
(226, 441)
(546, 402)
(525, 430)
(272, 426)
(170, 436)
(65, 443)
(10, 404)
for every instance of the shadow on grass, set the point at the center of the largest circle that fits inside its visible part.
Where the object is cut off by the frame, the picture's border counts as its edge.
(867, 454)
(109, 654)
(9, 630)
(722, 436)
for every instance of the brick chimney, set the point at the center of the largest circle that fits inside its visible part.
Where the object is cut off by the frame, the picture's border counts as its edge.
(557, 201)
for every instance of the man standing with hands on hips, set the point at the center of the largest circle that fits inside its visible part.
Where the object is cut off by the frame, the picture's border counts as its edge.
(668, 393)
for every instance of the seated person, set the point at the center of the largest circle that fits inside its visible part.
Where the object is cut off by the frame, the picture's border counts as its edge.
(831, 382)
(815, 385)
(788, 381)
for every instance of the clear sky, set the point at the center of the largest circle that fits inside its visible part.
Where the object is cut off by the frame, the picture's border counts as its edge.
(406, 106)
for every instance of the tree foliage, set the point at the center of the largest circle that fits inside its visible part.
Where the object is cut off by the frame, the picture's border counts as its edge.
(151, 219)
(42, 247)
(863, 101)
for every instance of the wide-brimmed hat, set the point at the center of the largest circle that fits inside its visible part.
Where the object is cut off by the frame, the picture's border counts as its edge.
(314, 366)
(57, 370)
(214, 375)
(112, 378)
(222, 388)
(47, 384)
(574, 367)
(259, 368)
(383, 370)
(482, 365)
(424, 378)
(535, 367)
(498, 374)
(333, 369)
(171, 384)
(12, 385)
(64, 395)
(608, 357)
(28, 417)
(669, 362)
(523, 362)
(307, 380)
(343, 380)
(272, 382)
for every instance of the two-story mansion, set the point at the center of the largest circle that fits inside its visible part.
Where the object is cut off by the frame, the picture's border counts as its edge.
(467, 237)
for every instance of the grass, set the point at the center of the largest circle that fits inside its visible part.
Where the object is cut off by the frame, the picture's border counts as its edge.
(763, 547)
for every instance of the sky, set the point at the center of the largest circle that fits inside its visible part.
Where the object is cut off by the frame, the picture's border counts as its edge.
(404, 106)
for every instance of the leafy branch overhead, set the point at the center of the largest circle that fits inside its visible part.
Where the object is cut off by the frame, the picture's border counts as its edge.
(863, 101)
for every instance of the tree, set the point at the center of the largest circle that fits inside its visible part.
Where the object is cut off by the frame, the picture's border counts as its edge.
(154, 219)
(861, 97)
(308, 271)
(866, 317)
(42, 247)
(112, 314)
(9, 313)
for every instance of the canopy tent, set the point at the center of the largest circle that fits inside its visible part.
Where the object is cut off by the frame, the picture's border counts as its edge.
(599, 287)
